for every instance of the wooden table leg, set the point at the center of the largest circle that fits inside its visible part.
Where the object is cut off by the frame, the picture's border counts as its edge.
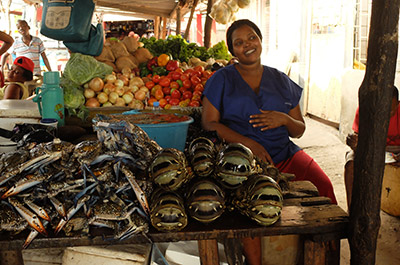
(208, 252)
(11, 257)
(321, 253)
(233, 251)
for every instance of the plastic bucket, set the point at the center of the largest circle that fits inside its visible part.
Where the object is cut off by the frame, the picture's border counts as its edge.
(168, 135)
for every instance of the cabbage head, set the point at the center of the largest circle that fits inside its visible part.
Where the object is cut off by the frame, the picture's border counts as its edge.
(81, 68)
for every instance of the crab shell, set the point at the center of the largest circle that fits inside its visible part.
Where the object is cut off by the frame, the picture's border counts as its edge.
(205, 200)
(235, 162)
(169, 169)
(167, 211)
(202, 156)
(260, 198)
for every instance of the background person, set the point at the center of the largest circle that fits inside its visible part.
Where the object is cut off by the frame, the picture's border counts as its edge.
(28, 46)
(256, 105)
(21, 71)
(7, 43)
(392, 143)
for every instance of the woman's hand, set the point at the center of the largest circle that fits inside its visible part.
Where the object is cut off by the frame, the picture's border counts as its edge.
(293, 121)
(352, 140)
(268, 119)
(258, 150)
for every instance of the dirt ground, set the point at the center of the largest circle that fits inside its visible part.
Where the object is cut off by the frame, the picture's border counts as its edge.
(322, 142)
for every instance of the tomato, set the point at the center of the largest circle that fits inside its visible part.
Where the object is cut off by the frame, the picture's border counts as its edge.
(156, 78)
(184, 103)
(179, 70)
(154, 89)
(150, 101)
(194, 103)
(184, 77)
(196, 96)
(189, 72)
(175, 94)
(206, 74)
(165, 81)
(199, 68)
(183, 89)
(198, 93)
(187, 84)
(149, 84)
(168, 106)
(159, 94)
(187, 95)
(195, 80)
(168, 97)
(175, 75)
(166, 90)
(163, 102)
(199, 87)
(174, 101)
(174, 84)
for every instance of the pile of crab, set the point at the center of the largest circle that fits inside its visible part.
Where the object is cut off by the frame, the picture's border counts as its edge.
(124, 181)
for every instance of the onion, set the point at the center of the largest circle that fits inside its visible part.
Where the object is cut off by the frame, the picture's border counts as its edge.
(126, 71)
(140, 95)
(112, 97)
(119, 83)
(96, 84)
(136, 104)
(120, 91)
(108, 88)
(92, 103)
(107, 104)
(145, 89)
(124, 79)
(102, 97)
(133, 89)
(128, 97)
(89, 93)
(110, 78)
(136, 81)
(120, 102)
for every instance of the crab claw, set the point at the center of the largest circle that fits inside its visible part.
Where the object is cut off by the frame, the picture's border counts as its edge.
(71, 212)
(32, 235)
(26, 183)
(32, 219)
(38, 210)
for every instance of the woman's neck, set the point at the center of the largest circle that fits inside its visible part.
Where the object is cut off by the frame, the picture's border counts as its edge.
(252, 69)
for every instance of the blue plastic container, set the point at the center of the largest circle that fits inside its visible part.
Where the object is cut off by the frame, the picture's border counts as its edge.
(168, 135)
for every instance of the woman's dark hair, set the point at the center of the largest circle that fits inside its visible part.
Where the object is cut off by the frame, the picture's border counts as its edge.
(28, 75)
(395, 92)
(235, 25)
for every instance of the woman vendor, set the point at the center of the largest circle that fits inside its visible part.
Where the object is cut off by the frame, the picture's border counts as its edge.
(21, 71)
(258, 106)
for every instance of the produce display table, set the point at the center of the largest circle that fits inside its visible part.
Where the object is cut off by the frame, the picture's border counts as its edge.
(320, 224)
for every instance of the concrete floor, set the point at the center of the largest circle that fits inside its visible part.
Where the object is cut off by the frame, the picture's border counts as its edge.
(324, 144)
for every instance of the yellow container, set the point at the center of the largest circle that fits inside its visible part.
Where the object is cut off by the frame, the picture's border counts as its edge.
(390, 200)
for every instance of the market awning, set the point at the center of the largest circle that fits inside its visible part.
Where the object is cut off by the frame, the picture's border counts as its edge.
(163, 8)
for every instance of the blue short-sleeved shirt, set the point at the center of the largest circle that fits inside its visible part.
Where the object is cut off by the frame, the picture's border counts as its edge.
(236, 101)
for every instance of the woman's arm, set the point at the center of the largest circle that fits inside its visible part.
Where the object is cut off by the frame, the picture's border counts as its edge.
(8, 42)
(293, 121)
(211, 122)
(12, 91)
(46, 61)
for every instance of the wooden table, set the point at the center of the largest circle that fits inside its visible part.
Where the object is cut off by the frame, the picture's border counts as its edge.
(320, 225)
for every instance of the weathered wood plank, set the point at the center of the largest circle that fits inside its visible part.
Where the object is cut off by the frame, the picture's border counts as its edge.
(208, 252)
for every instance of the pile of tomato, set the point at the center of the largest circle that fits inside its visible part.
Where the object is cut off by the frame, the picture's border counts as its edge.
(182, 88)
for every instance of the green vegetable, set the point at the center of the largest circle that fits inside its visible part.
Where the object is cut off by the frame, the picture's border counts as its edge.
(74, 100)
(81, 68)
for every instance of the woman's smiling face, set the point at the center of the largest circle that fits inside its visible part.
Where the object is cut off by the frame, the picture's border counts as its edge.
(246, 45)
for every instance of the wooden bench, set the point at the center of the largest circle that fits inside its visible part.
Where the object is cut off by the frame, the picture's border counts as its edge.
(319, 224)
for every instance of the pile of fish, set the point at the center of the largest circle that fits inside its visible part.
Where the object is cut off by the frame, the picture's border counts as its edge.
(124, 181)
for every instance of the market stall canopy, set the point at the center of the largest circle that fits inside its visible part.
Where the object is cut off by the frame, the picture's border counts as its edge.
(139, 8)
(163, 8)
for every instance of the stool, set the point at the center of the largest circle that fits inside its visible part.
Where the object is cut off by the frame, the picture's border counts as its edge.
(390, 199)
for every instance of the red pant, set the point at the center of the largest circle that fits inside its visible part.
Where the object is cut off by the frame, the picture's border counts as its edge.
(305, 168)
